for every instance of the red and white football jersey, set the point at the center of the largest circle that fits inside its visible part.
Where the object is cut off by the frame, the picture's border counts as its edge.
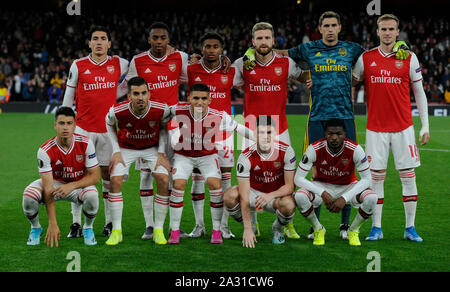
(162, 75)
(266, 89)
(387, 82)
(339, 168)
(134, 131)
(219, 83)
(96, 89)
(266, 172)
(70, 165)
(197, 137)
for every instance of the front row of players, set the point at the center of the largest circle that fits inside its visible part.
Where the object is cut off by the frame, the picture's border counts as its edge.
(140, 128)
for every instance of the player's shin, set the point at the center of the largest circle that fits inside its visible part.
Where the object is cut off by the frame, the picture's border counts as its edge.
(161, 207)
(216, 204)
(378, 186)
(105, 191)
(176, 208)
(198, 197)
(235, 212)
(368, 200)
(30, 206)
(76, 213)
(409, 191)
(226, 183)
(282, 220)
(115, 201)
(303, 201)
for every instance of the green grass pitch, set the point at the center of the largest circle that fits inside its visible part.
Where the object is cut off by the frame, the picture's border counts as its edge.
(22, 134)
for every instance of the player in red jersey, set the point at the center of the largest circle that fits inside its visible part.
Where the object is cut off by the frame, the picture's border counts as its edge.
(194, 137)
(141, 134)
(265, 173)
(389, 120)
(162, 71)
(265, 86)
(69, 171)
(93, 84)
(335, 183)
(210, 72)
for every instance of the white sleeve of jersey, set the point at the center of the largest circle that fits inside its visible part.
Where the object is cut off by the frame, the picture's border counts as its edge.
(243, 167)
(415, 72)
(44, 162)
(302, 171)
(362, 165)
(358, 70)
(184, 64)
(111, 122)
(238, 80)
(122, 88)
(167, 116)
(132, 72)
(289, 159)
(71, 86)
(294, 69)
(228, 123)
(91, 157)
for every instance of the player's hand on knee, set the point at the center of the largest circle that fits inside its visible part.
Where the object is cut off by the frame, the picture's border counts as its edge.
(53, 235)
(63, 190)
(327, 200)
(163, 161)
(115, 159)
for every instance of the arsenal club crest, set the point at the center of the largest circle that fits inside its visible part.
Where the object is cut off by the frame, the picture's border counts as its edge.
(342, 52)
(277, 164)
(344, 161)
(152, 124)
(172, 67)
(224, 79)
(79, 157)
(278, 71)
(110, 69)
(398, 64)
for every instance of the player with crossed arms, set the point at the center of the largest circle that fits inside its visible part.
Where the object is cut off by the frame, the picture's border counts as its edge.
(141, 134)
(335, 183)
(69, 171)
(93, 84)
(265, 172)
(193, 134)
(389, 120)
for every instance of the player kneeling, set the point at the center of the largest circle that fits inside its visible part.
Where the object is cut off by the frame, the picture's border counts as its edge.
(141, 134)
(336, 184)
(69, 170)
(265, 174)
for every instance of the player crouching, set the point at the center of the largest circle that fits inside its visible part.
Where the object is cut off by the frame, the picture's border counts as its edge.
(336, 184)
(69, 171)
(265, 174)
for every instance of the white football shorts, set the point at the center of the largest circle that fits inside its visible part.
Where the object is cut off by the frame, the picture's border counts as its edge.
(102, 144)
(184, 165)
(75, 196)
(404, 149)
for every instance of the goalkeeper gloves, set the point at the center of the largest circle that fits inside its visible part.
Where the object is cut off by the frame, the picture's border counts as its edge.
(249, 59)
(401, 50)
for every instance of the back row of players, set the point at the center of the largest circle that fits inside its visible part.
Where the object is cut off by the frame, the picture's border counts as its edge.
(265, 168)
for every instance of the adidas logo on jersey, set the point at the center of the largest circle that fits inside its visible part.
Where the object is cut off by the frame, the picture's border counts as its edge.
(324, 162)
(318, 54)
(253, 72)
(129, 125)
(58, 162)
(257, 168)
(87, 72)
(373, 64)
(148, 70)
(198, 79)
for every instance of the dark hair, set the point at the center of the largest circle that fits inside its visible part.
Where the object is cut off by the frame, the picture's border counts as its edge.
(95, 28)
(199, 87)
(265, 121)
(329, 14)
(65, 111)
(212, 36)
(161, 25)
(335, 123)
(136, 81)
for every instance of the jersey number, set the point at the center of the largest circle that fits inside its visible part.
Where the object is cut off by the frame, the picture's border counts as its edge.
(413, 151)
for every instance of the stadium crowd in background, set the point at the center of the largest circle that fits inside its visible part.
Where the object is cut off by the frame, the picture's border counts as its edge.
(36, 55)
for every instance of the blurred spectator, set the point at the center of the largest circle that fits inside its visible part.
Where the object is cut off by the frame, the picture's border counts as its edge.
(447, 91)
(54, 94)
(28, 91)
(4, 93)
(56, 81)
(434, 94)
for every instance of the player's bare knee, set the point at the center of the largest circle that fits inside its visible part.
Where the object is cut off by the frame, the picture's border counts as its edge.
(179, 184)
(231, 197)
(214, 183)
(286, 205)
(116, 184)
(104, 170)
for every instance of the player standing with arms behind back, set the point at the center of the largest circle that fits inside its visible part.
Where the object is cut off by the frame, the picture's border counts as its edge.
(93, 84)
(389, 120)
